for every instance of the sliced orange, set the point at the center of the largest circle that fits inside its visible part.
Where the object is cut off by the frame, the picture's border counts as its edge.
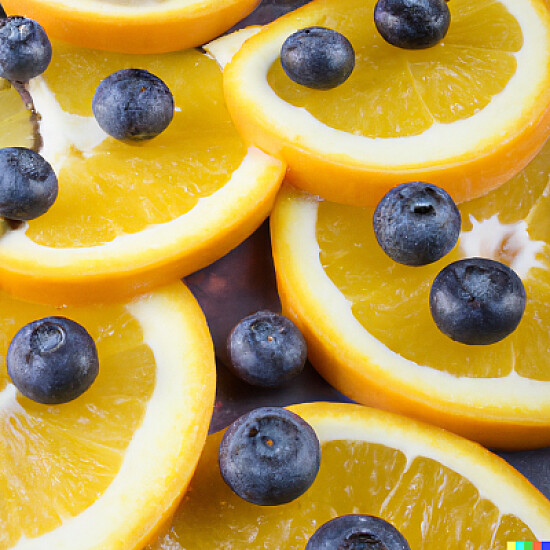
(129, 217)
(134, 26)
(466, 114)
(107, 469)
(18, 124)
(368, 324)
(439, 490)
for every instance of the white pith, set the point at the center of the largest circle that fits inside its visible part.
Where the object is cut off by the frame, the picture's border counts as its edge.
(133, 7)
(529, 398)
(169, 429)
(439, 143)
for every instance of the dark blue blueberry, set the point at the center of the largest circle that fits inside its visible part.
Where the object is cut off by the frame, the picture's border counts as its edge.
(317, 57)
(269, 456)
(357, 532)
(416, 223)
(266, 349)
(133, 105)
(477, 301)
(52, 360)
(25, 51)
(412, 24)
(3, 14)
(28, 184)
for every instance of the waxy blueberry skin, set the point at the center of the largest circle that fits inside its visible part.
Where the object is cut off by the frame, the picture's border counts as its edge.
(133, 105)
(52, 360)
(357, 532)
(28, 184)
(477, 301)
(269, 456)
(25, 50)
(317, 57)
(412, 24)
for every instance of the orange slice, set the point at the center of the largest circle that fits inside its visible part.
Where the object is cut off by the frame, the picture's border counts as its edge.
(466, 114)
(107, 469)
(129, 217)
(134, 26)
(368, 325)
(439, 490)
(18, 125)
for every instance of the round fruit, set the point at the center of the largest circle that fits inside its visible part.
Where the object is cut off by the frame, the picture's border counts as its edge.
(266, 349)
(28, 184)
(25, 50)
(133, 105)
(269, 456)
(52, 360)
(477, 301)
(317, 57)
(412, 24)
(357, 532)
(416, 223)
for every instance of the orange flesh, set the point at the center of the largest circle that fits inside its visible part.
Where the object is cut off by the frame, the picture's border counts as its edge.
(391, 300)
(16, 128)
(55, 461)
(122, 188)
(394, 92)
(433, 506)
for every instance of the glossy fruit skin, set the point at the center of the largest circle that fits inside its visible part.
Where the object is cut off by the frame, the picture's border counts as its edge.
(477, 301)
(317, 57)
(52, 360)
(28, 184)
(357, 532)
(269, 456)
(412, 24)
(416, 223)
(266, 349)
(25, 50)
(133, 105)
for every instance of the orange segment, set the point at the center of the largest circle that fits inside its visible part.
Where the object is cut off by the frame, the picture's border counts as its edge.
(137, 26)
(129, 217)
(439, 490)
(466, 114)
(104, 470)
(368, 324)
(18, 126)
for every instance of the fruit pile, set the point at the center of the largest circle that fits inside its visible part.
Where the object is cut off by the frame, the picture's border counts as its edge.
(409, 241)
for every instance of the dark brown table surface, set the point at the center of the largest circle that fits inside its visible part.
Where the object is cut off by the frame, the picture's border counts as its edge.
(243, 282)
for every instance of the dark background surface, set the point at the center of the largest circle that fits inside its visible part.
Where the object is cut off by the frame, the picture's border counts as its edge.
(243, 282)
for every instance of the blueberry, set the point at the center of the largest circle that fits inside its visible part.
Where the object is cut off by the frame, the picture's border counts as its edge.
(477, 301)
(412, 24)
(3, 13)
(28, 184)
(266, 349)
(357, 532)
(269, 456)
(52, 360)
(25, 51)
(317, 57)
(416, 223)
(133, 105)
